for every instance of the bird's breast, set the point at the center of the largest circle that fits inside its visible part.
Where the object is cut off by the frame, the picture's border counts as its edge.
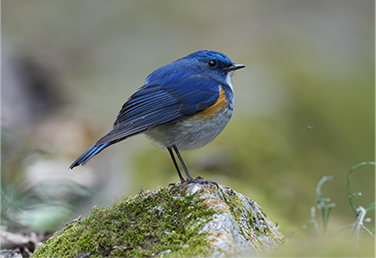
(194, 132)
(221, 103)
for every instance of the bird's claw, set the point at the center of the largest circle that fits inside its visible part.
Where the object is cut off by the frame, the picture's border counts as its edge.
(197, 180)
(200, 180)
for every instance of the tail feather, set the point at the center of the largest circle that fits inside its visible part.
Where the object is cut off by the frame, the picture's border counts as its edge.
(87, 155)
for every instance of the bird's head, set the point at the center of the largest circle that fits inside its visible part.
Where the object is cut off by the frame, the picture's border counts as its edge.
(214, 63)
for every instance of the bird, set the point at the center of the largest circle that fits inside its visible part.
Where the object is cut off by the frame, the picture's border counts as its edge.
(183, 105)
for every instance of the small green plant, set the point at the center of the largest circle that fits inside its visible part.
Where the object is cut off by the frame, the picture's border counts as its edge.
(358, 230)
(360, 212)
(321, 204)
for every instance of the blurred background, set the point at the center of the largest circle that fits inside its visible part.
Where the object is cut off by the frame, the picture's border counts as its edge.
(304, 104)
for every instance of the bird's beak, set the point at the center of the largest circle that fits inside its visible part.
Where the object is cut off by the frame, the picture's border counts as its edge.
(234, 67)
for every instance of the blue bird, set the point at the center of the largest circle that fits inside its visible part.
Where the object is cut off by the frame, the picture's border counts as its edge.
(183, 105)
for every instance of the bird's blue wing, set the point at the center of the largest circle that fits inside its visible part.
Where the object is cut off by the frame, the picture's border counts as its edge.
(154, 105)
(157, 104)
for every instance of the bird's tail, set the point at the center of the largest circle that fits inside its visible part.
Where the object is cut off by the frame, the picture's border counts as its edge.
(87, 155)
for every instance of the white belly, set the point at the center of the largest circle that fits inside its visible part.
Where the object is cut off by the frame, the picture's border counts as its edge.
(192, 133)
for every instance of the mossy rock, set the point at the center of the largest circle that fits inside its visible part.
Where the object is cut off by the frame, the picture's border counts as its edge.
(195, 220)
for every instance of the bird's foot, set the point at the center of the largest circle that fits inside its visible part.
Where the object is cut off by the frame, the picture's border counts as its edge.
(197, 180)
(200, 180)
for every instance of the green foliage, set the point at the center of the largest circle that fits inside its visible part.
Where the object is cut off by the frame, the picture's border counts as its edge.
(323, 207)
(360, 212)
(15, 195)
(358, 231)
(351, 195)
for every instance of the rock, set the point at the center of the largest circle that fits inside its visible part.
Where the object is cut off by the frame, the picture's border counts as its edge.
(195, 220)
(8, 253)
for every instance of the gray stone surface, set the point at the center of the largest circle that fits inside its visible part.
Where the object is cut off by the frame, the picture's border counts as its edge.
(7, 253)
(240, 228)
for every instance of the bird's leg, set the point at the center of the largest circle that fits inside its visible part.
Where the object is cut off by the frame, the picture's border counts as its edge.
(189, 178)
(182, 180)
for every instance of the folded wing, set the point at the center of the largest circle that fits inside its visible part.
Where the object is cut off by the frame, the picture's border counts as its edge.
(154, 105)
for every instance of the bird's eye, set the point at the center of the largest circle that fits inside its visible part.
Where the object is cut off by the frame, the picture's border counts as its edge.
(212, 63)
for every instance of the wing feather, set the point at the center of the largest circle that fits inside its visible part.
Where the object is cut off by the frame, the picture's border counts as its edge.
(155, 104)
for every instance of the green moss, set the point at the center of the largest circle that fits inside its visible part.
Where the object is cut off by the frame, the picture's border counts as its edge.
(154, 223)
(161, 223)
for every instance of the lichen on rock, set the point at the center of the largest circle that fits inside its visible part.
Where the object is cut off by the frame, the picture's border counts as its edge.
(195, 220)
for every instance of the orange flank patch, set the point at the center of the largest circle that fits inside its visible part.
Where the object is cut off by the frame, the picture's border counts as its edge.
(213, 109)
